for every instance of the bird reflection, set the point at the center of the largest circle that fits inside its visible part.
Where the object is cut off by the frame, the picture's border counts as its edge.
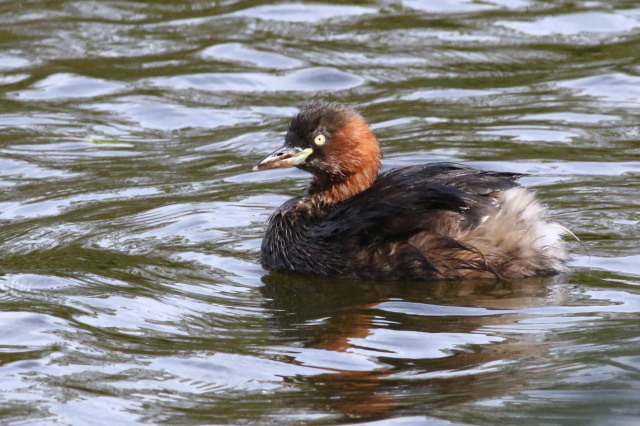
(338, 315)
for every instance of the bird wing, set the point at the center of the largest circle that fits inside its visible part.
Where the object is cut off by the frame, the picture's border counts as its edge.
(465, 178)
(404, 201)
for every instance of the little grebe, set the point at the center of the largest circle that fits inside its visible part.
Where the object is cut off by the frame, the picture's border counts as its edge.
(441, 220)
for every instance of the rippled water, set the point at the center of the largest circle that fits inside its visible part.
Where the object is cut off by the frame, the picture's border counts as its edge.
(130, 221)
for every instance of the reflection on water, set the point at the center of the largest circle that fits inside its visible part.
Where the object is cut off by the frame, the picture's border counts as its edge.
(130, 222)
(383, 342)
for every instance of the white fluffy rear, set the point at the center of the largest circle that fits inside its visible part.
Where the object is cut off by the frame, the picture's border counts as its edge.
(520, 237)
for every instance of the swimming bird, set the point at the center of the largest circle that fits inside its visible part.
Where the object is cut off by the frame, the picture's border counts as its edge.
(423, 222)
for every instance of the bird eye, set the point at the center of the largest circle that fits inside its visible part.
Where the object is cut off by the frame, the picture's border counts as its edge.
(320, 140)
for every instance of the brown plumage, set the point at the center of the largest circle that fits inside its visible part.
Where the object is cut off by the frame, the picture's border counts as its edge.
(432, 221)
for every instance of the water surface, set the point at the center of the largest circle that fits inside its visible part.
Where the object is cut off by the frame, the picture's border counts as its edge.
(130, 220)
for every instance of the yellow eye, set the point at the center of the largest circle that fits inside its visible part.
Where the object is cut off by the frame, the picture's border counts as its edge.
(320, 140)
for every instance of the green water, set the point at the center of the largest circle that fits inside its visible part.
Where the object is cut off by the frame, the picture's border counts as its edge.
(130, 220)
